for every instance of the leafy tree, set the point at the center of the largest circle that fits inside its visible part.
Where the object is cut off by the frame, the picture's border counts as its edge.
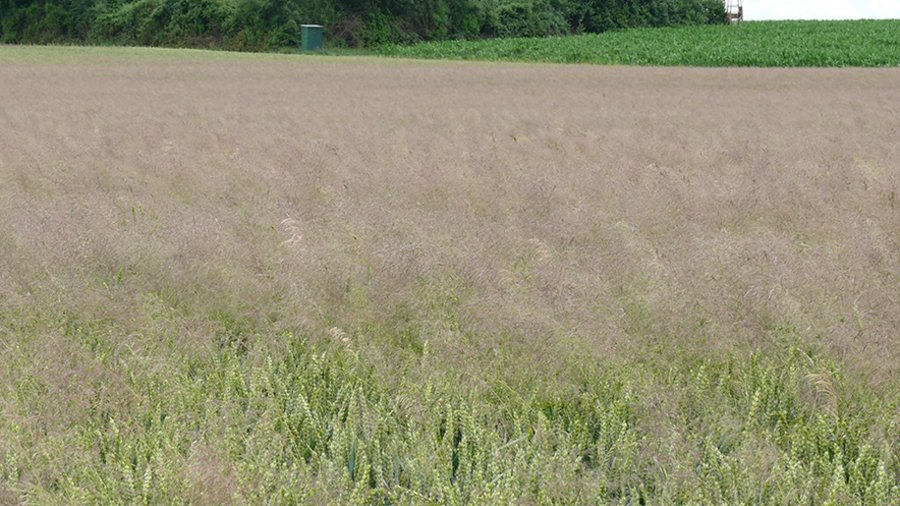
(255, 25)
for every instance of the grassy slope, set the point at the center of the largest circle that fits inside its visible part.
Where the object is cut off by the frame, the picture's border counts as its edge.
(136, 55)
(760, 44)
(127, 380)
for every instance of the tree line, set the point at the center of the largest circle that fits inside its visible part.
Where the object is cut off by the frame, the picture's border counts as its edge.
(259, 25)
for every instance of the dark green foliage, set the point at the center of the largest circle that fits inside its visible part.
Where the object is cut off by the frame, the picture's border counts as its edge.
(271, 24)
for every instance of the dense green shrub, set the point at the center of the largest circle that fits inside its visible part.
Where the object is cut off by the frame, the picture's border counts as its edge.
(529, 19)
(270, 24)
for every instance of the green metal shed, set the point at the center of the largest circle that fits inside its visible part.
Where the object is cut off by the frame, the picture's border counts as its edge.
(311, 38)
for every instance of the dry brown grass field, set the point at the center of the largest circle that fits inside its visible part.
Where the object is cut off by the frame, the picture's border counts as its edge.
(473, 244)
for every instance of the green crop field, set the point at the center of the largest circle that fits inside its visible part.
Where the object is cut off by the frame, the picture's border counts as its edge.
(752, 44)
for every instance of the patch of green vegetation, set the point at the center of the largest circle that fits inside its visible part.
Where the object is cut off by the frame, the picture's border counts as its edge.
(136, 56)
(867, 43)
(294, 420)
(119, 55)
